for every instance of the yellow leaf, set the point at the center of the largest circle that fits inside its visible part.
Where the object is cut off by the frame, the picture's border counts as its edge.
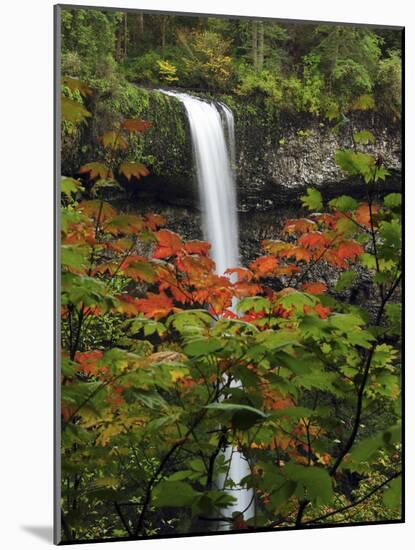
(114, 140)
(75, 84)
(178, 374)
(73, 111)
(96, 170)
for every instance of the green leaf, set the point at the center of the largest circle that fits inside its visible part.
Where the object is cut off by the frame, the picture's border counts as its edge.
(274, 340)
(297, 299)
(236, 407)
(180, 476)
(189, 323)
(364, 102)
(257, 303)
(293, 412)
(344, 203)
(394, 316)
(102, 183)
(345, 321)
(391, 235)
(74, 257)
(174, 494)
(315, 482)
(383, 356)
(89, 291)
(368, 260)
(318, 380)
(70, 186)
(282, 494)
(345, 281)
(243, 417)
(148, 326)
(300, 364)
(70, 216)
(392, 496)
(364, 137)
(359, 164)
(313, 200)
(203, 347)
(366, 451)
(393, 200)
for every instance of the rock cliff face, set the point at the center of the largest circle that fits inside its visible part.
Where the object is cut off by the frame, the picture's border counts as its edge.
(275, 163)
(275, 159)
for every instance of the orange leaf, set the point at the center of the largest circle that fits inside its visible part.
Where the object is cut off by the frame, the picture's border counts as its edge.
(323, 312)
(349, 250)
(314, 239)
(329, 220)
(135, 125)
(362, 214)
(120, 245)
(301, 225)
(67, 411)
(195, 266)
(298, 253)
(264, 266)
(127, 305)
(215, 290)
(170, 243)
(105, 268)
(242, 274)
(96, 170)
(243, 289)
(155, 306)
(97, 208)
(88, 361)
(154, 220)
(314, 288)
(197, 247)
(168, 281)
(287, 270)
(133, 169)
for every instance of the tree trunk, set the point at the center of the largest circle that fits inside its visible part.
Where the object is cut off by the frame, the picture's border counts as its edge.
(163, 31)
(118, 51)
(260, 55)
(141, 23)
(255, 44)
(125, 35)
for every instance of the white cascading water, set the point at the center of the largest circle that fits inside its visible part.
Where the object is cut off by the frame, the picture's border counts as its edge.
(214, 158)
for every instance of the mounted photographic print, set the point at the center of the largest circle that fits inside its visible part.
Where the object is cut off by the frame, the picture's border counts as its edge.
(229, 274)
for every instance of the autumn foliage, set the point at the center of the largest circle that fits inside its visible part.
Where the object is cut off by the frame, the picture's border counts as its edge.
(152, 339)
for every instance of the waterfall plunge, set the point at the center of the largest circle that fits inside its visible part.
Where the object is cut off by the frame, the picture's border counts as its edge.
(214, 158)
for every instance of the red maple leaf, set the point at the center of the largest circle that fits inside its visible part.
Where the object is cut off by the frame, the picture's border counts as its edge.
(264, 266)
(314, 288)
(169, 244)
(155, 306)
(349, 250)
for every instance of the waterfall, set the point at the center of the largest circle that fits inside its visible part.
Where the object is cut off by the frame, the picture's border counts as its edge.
(213, 140)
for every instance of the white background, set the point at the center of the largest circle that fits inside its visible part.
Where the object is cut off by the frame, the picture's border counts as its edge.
(26, 233)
